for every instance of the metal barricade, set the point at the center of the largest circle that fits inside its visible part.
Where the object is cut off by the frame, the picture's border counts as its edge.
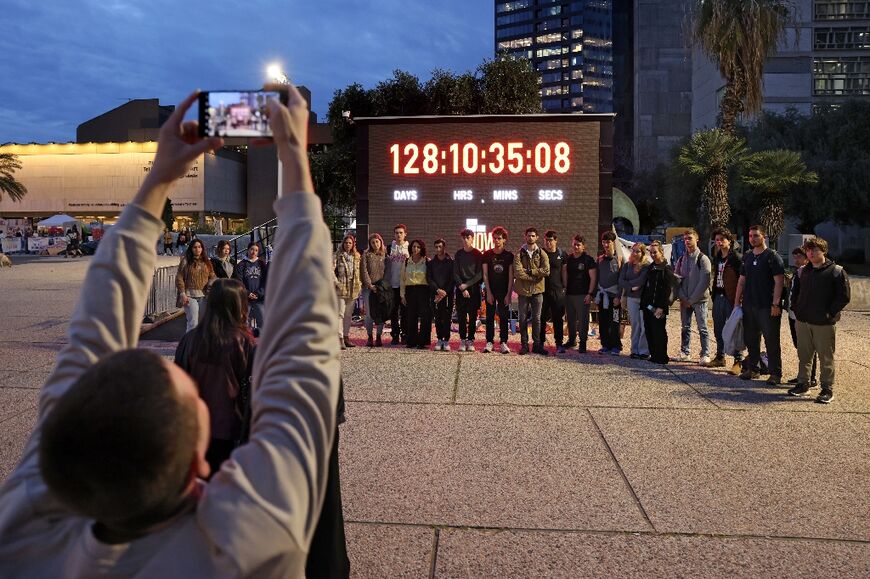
(163, 295)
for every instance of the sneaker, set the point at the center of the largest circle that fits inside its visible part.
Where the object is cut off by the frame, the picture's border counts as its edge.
(488, 348)
(826, 396)
(773, 380)
(505, 349)
(524, 349)
(793, 381)
(800, 390)
(736, 369)
(560, 350)
(615, 352)
(469, 346)
(446, 346)
(717, 362)
(749, 375)
(705, 361)
(681, 358)
(603, 351)
(592, 333)
(461, 345)
(634, 356)
(540, 350)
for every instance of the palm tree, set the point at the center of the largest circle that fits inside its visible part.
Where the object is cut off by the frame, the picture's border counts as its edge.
(9, 163)
(738, 36)
(710, 155)
(772, 174)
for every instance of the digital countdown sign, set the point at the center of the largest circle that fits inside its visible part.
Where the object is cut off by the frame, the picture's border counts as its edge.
(438, 175)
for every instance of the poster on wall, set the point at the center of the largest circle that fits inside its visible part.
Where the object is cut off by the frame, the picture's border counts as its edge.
(37, 243)
(12, 244)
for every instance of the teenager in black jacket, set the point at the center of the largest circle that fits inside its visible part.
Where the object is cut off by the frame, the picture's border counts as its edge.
(655, 299)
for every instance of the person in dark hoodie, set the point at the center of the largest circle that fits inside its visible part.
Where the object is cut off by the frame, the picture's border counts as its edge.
(439, 274)
(253, 271)
(655, 302)
(467, 273)
(726, 272)
(498, 279)
(823, 293)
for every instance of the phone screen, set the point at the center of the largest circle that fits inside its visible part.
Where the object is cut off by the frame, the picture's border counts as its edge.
(235, 113)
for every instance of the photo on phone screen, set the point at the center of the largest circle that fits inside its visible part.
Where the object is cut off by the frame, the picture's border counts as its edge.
(236, 113)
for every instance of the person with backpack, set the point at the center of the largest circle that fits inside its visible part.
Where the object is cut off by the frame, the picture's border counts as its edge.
(655, 300)
(693, 269)
(607, 296)
(823, 293)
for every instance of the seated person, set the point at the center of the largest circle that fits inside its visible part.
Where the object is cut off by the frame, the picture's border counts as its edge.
(110, 482)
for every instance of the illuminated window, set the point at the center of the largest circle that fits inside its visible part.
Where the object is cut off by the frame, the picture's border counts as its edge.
(548, 38)
(511, 6)
(841, 76)
(577, 47)
(516, 43)
(552, 11)
(550, 64)
(853, 37)
(555, 51)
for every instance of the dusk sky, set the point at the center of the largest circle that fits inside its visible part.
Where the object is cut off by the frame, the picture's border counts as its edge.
(68, 61)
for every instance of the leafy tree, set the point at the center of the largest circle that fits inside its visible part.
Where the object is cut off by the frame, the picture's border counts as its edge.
(401, 95)
(738, 36)
(509, 86)
(772, 174)
(168, 216)
(452, 95)
(16, 190)
(710, 155)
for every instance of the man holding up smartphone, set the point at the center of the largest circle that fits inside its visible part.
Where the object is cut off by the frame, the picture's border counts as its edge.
(109, 483)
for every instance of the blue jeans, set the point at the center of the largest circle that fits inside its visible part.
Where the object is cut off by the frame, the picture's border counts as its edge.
(194, 311)
(700, 312)
(638, 335)
(535, 302)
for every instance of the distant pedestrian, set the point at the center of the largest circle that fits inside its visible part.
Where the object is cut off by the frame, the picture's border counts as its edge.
(693, 269)
(726, 268)
(655, 301)
(439, 274)
(181, 242)
(348, 284)
(759, 290)
(823, 293)
(372, 272)
(253, 273)
(167, 241)
(632, 277)
(581, 281)
(195, 273)
(607, 296)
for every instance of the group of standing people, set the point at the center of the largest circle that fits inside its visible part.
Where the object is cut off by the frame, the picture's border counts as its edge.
(185, 236)
(400, 282)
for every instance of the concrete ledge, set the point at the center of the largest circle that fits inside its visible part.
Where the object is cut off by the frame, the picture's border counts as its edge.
(860, 287)
(159, 322)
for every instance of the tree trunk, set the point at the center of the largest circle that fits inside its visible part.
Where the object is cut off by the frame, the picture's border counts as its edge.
(773, 217)
(731, 106)
(715, 210)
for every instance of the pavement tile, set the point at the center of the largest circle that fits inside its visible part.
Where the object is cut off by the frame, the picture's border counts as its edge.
(784, 474)
(14, 434)
(29, 379)
(601, 381)
(398, 375)
(379, 551)
(25, 357)
(480, 553)
(498, 467)
(15, 401)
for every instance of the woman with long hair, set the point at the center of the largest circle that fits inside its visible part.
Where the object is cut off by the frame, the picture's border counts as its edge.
(223, 267)
(348, 283)
(194, 275)
(655, 299)
(219, 355)
(372, 271)
(415, 294)
(632, 277)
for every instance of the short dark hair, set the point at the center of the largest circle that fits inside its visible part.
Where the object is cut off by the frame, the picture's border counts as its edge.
(252, 244)
(816, 243)
(579, 238)
(531, 230)
(551, 233)
(799, 251)
(500, 231)
(760, 229)
(422, 245)
(608, 236)
(441, 241)
(118, 445)
(724, 232)
(691, 231)
(221, 244)
(466, 233)
(401, 226)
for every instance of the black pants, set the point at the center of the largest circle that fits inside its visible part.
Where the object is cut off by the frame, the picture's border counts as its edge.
(466, 311)
(501, 307)
(656, 336)
(791, 327)
(443, 316)
(758, 322)
(608, 328)
(553, 310)
(418, 332)
(398, 316)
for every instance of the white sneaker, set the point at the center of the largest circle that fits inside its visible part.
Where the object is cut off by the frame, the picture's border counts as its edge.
(681, 358)
(461, 345)
(488, 347)
(469, 345)
(505, 349)
(446, 346)
(705, 361)
(437, 347)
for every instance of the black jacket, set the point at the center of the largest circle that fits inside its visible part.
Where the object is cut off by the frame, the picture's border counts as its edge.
(218, 266)
(439, 274)
(822, 294)
(656, 291)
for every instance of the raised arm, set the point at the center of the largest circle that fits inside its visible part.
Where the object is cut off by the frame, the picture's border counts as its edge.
(274, 485)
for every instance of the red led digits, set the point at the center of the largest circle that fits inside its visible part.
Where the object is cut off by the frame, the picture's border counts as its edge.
(541, 158)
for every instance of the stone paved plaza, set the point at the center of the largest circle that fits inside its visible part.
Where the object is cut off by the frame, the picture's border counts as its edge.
(473, 465)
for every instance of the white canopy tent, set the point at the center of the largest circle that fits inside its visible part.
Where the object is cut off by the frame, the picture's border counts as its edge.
(59, 220)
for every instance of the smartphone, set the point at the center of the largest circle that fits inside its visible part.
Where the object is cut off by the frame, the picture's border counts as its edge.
(236, 113)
